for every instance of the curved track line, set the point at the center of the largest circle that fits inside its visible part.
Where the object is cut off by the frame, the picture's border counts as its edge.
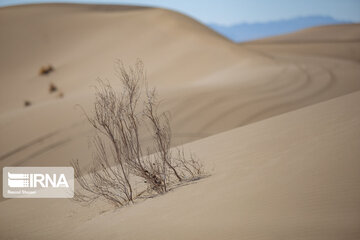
(27, 145)
(304, 84)
(329, 84)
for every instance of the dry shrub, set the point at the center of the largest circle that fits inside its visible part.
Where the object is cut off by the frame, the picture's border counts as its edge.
(123, 169)
(27, 103)
(52, 88)
(44, 70)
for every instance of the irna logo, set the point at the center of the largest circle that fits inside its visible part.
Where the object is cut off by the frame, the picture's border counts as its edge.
(38, 182)
(20, 180)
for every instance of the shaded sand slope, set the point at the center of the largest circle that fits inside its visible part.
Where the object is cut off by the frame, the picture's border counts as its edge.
(293, 176)
(210, 84)
(82, 42)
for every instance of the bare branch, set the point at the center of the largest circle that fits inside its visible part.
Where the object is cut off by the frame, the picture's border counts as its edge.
(119, 160)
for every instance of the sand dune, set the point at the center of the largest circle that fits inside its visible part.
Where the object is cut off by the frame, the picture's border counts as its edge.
(333, 41)
(329, 33)
(175, 49)
(290, 175)
(210, 84)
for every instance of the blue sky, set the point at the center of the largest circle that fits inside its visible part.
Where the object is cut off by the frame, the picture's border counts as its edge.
(238, 11)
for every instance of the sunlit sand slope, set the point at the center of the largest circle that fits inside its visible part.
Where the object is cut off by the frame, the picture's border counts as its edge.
(293, 176)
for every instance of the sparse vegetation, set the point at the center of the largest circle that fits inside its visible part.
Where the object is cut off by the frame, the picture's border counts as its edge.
(27, 103)
(123, 168)
(45, 70)
(52, 88)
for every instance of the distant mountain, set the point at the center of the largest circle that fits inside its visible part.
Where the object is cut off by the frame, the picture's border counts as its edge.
(250, 31)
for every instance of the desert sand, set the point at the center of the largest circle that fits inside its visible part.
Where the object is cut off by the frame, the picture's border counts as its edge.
(274, 121)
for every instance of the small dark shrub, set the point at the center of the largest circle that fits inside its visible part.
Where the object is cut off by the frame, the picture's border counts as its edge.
(27, 103)
(52, 88)
(44, 70)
